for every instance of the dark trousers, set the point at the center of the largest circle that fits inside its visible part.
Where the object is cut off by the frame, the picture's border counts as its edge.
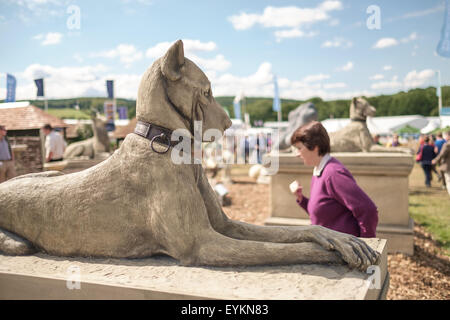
(427, 170)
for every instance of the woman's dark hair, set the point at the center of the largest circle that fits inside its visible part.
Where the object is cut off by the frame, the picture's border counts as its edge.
(48, 127)
(427, 139)
(311, 135)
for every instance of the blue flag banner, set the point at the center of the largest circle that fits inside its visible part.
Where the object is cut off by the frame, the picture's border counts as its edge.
(443, 48)
(276, 98)
(40, 87)
(445, 111)
(110, 88)
(123, 113)
(110, 114)
(237, 109)
(10, 88)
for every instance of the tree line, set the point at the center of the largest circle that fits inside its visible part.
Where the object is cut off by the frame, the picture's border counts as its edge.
(416, 101)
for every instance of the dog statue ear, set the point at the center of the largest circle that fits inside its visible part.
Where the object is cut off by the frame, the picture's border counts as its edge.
(173, 61)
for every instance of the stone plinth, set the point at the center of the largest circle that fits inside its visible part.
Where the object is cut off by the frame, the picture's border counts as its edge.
(55, 166)
(45, 277)
(383, 176)
(84, 162)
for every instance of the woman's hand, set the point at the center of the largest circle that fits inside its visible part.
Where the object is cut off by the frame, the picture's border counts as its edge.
(352, 250)
(297, 189)
(299, 193)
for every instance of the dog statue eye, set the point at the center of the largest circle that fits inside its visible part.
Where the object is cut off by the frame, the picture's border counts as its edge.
(207, 93)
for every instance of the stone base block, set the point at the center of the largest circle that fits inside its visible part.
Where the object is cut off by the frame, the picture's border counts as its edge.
(46, 277)
(399, 239)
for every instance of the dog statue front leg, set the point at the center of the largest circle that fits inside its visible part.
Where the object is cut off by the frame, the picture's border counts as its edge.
(328, 239)
(215, 249)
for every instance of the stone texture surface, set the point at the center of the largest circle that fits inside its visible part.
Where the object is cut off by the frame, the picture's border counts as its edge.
(168, 278)
(30, 159)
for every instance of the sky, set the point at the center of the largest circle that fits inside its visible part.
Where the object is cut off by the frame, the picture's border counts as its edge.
(333, 49)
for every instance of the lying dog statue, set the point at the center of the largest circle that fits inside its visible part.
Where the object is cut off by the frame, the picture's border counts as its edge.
(139, 203)
(90, 147)
(355, 137)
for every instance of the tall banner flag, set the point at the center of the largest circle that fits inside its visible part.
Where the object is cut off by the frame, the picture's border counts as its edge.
(276, 98)
(237, 105)
(40, 87)
(443, 48)
(10, 88)
(110, 114)
(123, 113)
(110, 88)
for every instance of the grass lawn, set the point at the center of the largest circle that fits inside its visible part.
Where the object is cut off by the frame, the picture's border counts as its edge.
(66, 113)
(430, 207)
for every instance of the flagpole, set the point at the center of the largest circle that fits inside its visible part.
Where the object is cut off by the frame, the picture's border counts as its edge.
(440, 98)
(46, 104)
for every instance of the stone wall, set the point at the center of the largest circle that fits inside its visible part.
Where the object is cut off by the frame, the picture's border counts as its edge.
(30, 160)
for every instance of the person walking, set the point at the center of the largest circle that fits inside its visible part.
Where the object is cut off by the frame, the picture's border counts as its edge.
(442, 138)
(427, 157)
(443, 159)
(54, 144)
(7, 166)
(336, 201)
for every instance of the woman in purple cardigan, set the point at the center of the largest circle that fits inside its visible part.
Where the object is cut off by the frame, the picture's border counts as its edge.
(336, 201)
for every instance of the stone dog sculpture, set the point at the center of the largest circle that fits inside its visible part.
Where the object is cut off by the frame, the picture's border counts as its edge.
(355, 137)
(298, 117)
(92, 146)
(139, 203)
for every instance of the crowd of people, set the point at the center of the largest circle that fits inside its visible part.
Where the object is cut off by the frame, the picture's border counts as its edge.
(433, 154)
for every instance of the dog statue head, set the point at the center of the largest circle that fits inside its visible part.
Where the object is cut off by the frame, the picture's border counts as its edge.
(174, 93)
(360, 109)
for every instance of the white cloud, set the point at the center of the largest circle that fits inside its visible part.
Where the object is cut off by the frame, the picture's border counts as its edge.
(416, 79)
(293, 33)
(316, 77)
(78, 57)
(347, 67)
(127, 54)
(62, 82)
(336, 43)
(291, 17)
(385, 43)
(377, 77)
(393, 84)
(89, 81)
(413, 79)
(49, 38)
(387, 68)
(337, 85)
(334, 22)
(421, 13)
(260, 84)
(411, 37)
(218, 63)
(191, 48)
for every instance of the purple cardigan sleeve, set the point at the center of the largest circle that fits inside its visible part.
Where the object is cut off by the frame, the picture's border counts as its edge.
(304, 204)
(344, 189)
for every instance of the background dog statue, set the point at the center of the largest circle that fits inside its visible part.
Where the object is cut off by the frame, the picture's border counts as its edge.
(139, 203)
(93, 146)
(298, 117)
(355, 137)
